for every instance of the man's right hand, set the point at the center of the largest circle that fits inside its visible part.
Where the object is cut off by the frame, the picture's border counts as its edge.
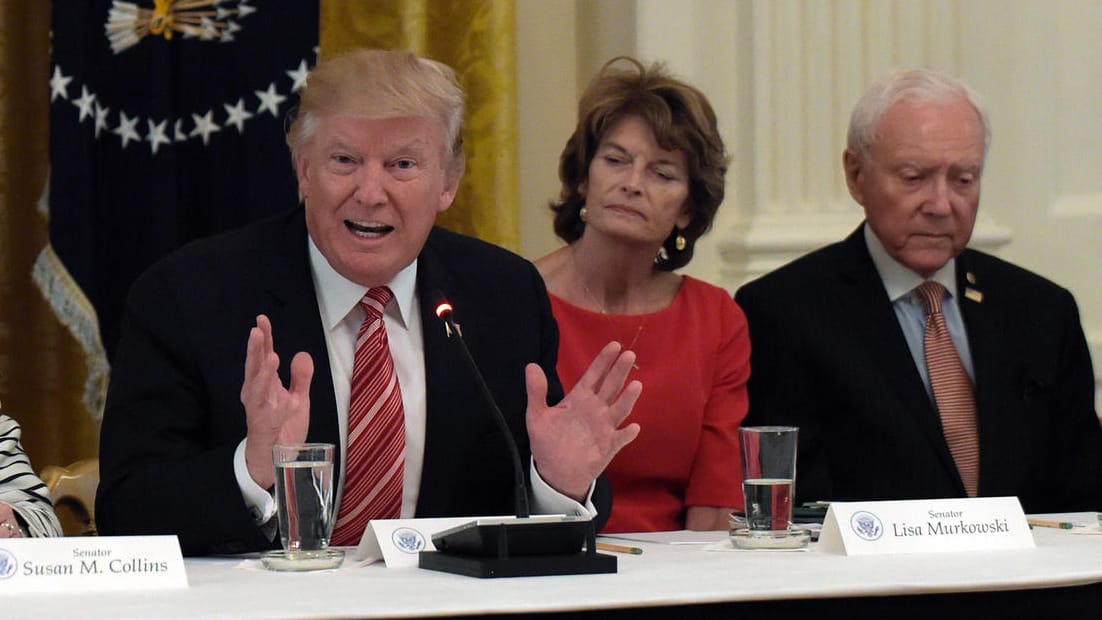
(274, 414)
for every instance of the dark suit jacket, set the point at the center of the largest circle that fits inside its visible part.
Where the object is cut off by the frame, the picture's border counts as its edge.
(174, 415)
(829, 356)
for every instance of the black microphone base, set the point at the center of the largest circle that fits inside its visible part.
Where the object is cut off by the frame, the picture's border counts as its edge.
(581, 563)
(518, 547)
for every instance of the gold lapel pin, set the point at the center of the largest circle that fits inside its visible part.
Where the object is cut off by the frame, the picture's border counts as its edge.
(973, 294)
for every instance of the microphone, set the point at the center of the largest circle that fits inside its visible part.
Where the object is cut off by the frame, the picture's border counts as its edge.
(444, 312)
(512, 547)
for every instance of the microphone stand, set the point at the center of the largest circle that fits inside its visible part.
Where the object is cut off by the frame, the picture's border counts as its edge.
(523, 546)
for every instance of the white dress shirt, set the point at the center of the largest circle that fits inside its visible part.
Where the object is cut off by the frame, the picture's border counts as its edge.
(900, 282)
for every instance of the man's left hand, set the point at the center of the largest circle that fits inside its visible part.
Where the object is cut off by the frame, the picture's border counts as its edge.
(573, 441)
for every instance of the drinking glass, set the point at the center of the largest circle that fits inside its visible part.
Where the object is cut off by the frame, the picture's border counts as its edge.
(768, 487)
(304, 507)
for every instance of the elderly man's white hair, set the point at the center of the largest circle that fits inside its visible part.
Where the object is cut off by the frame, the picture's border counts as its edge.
(914, 86)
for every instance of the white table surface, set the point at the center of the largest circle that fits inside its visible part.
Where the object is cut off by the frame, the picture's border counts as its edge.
(661, 575)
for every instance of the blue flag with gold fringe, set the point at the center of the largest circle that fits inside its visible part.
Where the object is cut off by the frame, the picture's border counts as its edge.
(167, 123)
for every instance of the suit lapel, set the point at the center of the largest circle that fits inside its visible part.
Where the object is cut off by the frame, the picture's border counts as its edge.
(444, 368)
(985, 323)
(296, 326)
(876, 332)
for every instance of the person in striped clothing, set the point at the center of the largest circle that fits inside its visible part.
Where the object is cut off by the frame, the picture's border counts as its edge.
(25, 507)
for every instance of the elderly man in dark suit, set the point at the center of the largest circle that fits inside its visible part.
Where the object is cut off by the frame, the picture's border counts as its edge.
(193, 410)
(914, 367)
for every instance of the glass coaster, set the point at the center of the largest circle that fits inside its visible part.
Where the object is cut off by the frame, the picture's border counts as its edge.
(281, 560)
(793, 539)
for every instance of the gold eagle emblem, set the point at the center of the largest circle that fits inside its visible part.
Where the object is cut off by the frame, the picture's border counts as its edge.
(207, 20)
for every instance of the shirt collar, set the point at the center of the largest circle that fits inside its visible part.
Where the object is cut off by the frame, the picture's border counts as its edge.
(898, 279)
(337, 295)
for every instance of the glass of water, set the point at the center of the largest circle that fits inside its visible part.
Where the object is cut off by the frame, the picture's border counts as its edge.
(304, 507)
(768, 487)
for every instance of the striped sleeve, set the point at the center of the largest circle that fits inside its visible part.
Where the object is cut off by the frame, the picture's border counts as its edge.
(21, 488)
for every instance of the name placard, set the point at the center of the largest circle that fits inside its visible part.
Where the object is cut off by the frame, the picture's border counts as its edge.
(398, 541)
(925, 526)
(92, 563)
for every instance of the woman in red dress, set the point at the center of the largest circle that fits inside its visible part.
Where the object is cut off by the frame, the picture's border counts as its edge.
(642, 177)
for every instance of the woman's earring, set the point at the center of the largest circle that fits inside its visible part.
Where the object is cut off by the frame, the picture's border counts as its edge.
(583, 213)
(679, 242)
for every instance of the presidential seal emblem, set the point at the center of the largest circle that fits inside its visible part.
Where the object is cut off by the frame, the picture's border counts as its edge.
(8, 564)
(866, 525)
(128, 23)
(408, 540)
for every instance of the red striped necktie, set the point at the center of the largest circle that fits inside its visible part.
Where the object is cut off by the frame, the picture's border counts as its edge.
(376, 430)
(956, 403)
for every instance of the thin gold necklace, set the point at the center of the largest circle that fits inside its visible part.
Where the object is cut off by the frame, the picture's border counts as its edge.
(606, 314)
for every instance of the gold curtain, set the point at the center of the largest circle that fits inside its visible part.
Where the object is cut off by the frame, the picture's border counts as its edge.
(478, 39)
(42, 368)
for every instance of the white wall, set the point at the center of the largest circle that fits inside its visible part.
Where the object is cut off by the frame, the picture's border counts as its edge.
(783, 74)
(547, 99)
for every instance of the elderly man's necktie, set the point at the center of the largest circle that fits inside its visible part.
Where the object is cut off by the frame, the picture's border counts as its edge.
(956, 403)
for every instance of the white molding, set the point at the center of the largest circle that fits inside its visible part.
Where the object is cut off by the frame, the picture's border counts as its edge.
(768, 240)
(1077, 205)
(989, 235)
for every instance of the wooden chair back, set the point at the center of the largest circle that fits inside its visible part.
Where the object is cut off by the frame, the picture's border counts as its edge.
(73, 490)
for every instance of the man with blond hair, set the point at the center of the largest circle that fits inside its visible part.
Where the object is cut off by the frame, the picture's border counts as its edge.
(253, 338)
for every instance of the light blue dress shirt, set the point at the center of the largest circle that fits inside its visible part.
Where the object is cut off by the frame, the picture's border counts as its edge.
(900, 282)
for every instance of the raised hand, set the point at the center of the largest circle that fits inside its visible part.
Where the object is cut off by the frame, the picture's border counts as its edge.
(573, 441)
(274, 414)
